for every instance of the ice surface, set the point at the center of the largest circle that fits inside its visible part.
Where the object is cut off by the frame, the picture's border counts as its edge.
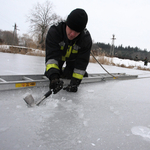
(107, 115)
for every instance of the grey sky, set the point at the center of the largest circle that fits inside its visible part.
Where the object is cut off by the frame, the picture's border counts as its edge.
(127, 19)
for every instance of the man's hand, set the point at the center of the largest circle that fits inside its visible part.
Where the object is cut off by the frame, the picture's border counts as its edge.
(71, 88)
(56, 85)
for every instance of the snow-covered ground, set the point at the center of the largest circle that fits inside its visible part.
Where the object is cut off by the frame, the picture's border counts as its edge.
(36, 52)
(106, 115)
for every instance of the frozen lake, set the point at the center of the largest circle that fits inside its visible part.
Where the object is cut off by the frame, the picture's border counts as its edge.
(107, 115)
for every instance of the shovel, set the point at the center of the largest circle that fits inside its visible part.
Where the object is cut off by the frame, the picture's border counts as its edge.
(30, 100)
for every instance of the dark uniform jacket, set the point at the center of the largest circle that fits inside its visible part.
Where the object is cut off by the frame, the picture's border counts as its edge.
(74, 53)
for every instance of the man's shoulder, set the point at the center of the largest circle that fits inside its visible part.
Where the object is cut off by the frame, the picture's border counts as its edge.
(86, 35)
(59, 25)
(86, 31)
(57, 29)
(85, 39)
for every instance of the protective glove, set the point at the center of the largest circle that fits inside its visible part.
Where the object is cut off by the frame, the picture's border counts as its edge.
(55, 84)
(71, 88)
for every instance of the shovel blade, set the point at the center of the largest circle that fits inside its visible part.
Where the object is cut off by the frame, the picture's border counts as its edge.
(29, 100)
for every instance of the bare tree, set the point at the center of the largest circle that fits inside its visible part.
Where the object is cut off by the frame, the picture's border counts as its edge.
(1, 40)
(8, 38)
(41, 18)
(27, 41)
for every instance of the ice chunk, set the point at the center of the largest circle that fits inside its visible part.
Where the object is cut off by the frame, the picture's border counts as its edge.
(90, 91)
(4, 129)
(142, 131)
(18, 106)
(93, 144)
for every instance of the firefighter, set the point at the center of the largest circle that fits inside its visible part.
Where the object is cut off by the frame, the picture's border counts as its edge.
(68, 46)
(145, 61)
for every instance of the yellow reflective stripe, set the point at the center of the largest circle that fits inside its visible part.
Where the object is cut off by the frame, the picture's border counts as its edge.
(78, 76)
(63, 58)
(74, 51)
(49, 66)
(61, 47)
(68, 52)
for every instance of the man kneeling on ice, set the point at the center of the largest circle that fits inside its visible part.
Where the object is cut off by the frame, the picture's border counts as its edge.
(68, 42)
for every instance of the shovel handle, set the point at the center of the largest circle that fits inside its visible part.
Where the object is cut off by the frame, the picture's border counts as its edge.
(48, 93)
(45, 96)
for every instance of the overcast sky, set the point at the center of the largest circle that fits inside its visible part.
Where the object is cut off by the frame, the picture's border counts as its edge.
(128, 19)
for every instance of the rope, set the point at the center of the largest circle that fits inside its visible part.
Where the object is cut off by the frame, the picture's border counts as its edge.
(110, 73)
(102, 66)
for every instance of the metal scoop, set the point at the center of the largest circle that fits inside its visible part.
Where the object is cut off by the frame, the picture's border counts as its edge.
(30, 100)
